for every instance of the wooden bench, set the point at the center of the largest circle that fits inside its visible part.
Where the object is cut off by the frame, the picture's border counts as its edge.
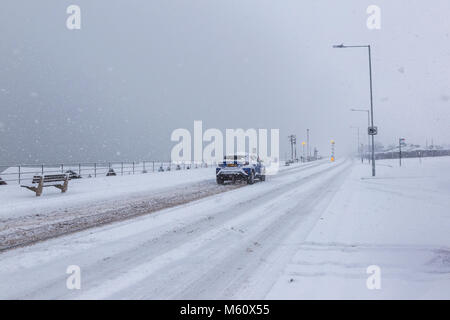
(60, 181)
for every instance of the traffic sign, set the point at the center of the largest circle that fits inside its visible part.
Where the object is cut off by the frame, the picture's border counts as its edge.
(372, 131)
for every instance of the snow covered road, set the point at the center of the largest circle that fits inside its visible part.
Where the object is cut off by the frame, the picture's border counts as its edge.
(27, 229)
(25, 219)
(229, 245)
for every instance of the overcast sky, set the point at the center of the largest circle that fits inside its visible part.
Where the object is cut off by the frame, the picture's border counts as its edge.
(137, 70)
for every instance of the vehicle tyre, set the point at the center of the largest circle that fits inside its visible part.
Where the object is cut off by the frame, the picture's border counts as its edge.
(219, 180)
(251, 178)
(263, 177)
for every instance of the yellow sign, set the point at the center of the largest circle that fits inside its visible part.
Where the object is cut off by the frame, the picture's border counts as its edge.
(332, 159)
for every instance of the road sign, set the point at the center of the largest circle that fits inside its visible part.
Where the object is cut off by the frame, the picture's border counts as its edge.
(373, 131)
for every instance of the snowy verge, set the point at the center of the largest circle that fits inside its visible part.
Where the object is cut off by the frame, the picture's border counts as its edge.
(398, 221)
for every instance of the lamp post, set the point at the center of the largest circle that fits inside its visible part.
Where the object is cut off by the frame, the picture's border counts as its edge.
(307, 145)
(341, 46)
(303, 146)
(368, 125)
(293, 141)
(400, 142)
(358, 145)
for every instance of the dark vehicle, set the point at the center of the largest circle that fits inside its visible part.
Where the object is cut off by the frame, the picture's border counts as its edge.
(240, 168)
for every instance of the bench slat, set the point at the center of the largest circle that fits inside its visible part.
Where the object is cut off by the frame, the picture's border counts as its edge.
(50, 178)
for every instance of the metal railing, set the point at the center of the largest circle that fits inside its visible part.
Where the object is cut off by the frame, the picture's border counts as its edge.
(412, 154)
(25, 172)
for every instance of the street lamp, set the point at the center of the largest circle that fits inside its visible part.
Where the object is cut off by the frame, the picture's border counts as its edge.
(303, 146)
(341, 46)
(400, 142)
(308, 157)
(368, 125)
(358, 150)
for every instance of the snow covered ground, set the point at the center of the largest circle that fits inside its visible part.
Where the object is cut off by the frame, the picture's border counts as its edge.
(16, 201)
(309, 232)
(398, 221)
(25, 219)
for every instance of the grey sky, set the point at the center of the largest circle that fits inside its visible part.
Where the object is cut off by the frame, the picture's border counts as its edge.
(137, 70)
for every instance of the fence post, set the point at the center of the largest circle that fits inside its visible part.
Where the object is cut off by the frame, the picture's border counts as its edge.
(62, 168)
(153, 166)
(19, 174)
(79, 169)
(133, 167)
(143, 166)
(121, 168)
(42, 169)
(95, 169)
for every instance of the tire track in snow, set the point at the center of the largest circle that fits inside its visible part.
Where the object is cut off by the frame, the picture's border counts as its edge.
(168, 275)
(118, 255)
(263, 245)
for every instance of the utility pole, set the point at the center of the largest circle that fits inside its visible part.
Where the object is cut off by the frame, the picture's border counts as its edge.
(372, 130)
(290, 141)
(400, 141)
(307, 145)
(371, 112)
(358, 139)
(303, 151)
(293, 141)
(362, 153)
